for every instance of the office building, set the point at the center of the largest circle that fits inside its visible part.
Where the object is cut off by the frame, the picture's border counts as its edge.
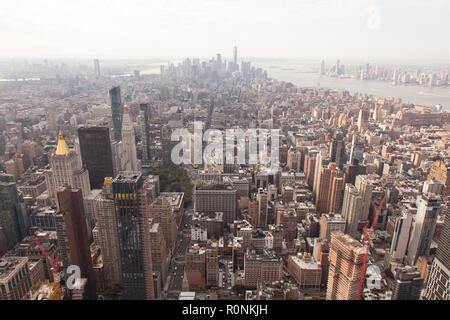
(438, 284)
(10, 211)
(72, 234)
(131, 203)
(96, 154)
(116, 112)
(129, 141)
(67, 170)
(337, 149)
(408, 284)
(365, 187)
(351, 209)
(105, 234)
(216, 198)
(428, 210)
(330, 223)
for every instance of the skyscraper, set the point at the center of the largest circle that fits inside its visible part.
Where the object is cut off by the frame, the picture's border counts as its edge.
(351, 209)
(345, 258)
(144, 126)
(131, 203)
(428, 210)
(363, 120)
(337, 150)
(97, 68)
(72, 234)
(9, 211)
(329, 189)
(105, 234)
(161, 212)
(129, 141)
(438, 286)
(116, 112)
(365, 188)
(356, 151)
(235, 59)
(401, 235)
(96, 155)
(67, 170)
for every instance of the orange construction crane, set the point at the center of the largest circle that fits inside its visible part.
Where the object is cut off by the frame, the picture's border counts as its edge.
(54, 263)
(366, 237)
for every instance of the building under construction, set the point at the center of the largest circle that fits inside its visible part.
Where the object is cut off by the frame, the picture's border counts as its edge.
(346, 259)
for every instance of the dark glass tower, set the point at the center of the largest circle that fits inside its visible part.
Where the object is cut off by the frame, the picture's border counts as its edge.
(116, 112)
(337, 150)
(130, 199)
(96, 154)
(10, 217)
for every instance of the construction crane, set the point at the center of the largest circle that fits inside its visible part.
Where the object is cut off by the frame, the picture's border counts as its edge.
(366, 237)
(54, 263)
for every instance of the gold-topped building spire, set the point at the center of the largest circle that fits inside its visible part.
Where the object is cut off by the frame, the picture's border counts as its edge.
(62, 149)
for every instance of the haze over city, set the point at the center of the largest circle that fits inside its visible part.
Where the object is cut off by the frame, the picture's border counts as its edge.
(312, 29)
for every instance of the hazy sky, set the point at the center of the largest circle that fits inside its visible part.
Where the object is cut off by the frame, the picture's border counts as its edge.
(310, 29)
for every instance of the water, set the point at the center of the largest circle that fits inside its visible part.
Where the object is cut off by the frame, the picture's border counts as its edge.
(305, 75)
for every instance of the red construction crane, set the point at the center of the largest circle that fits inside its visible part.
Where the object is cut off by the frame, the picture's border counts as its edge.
(366, 237)
(54, 263)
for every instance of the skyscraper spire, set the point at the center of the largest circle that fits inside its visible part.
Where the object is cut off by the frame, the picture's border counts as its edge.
(62, 149)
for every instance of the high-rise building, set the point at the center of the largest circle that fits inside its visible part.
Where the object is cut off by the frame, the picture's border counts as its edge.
(129, 141)
(365, 187)
(310, 166)
(329, 189)
(67, 170)
(356, 151)
(428, 210)
(363, 120)
(321, 160)
(10, 216)
(337, 150)
(105, 234)
(72, 234)
(96, 154)
(212, 264)
(97, 68)
(144, 126)
(345, 258)
(408, 284)
(401, 235)
(159, 251)
(235, 59)
(322, 68)
(438, 285)
(351, 209)
(116, 112)
(161, 212)
(440, 171)
(330, 223)
(336, 191)
(131, 203)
